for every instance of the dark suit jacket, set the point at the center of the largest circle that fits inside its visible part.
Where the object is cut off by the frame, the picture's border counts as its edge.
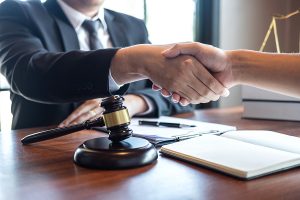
(48, 74)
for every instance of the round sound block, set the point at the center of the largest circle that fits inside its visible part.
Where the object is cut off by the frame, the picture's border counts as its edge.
(101, 153)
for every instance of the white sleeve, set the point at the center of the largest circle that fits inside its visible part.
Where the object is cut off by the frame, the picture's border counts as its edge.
(113, 86)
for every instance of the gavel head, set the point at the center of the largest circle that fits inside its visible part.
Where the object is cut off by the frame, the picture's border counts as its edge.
(116, 118)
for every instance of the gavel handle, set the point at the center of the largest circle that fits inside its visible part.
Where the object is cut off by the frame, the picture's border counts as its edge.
(58, 132)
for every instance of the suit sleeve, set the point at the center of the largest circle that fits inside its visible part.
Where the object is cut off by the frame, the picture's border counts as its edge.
(162, 105)
(43, 76)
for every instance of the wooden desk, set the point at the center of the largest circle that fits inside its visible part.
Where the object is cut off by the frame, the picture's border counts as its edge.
(45, 171)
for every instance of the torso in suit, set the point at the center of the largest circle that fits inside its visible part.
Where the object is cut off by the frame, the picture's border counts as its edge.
(40, 57)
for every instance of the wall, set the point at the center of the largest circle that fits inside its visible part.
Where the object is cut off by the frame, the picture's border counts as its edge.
(243, 25)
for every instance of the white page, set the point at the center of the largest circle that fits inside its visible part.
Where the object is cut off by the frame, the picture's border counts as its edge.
(267, 138)
(231, 156)
(167, 132)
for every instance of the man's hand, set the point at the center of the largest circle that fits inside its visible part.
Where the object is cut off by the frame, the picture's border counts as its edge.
(270, 71)
(183, 75)
(215, 60)
(91, 109)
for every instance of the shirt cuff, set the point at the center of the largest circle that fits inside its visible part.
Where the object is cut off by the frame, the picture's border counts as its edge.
(151, 106)
(113, 86)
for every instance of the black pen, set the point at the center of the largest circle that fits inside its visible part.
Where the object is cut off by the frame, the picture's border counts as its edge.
(166, 124)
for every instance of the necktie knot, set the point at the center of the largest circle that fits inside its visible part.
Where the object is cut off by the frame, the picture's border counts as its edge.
(91, 26)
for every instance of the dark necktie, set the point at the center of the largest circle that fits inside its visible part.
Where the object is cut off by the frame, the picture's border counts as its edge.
(92, 28)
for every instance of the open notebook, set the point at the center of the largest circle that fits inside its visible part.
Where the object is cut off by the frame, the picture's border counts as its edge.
(243, 154)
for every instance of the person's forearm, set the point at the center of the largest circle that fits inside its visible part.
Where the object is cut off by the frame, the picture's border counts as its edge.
(277, 72)
(134, 63)
(123, 66)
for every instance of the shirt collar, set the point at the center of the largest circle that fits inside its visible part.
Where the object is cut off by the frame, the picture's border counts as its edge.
(76, 18)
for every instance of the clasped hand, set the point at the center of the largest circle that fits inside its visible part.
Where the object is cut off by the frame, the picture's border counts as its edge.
(208, 74)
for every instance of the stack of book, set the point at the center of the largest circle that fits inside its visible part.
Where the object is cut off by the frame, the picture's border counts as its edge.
(262, 104)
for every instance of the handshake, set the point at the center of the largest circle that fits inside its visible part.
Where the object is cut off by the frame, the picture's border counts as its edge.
(198, 73)
(189, 72)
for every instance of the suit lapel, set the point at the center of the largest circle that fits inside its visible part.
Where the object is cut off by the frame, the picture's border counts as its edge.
(67, 32)
(116, 30)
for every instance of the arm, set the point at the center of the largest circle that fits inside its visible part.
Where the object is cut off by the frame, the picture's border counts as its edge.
(271, 71)
(275, 72)
(43, 76)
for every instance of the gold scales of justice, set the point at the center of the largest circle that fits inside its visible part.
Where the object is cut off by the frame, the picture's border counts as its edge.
(273, 27)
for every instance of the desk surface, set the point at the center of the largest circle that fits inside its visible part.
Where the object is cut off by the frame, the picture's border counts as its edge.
(45, 170)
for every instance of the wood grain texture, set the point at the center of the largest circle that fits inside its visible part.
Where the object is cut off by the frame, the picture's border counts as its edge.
(46, 171)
